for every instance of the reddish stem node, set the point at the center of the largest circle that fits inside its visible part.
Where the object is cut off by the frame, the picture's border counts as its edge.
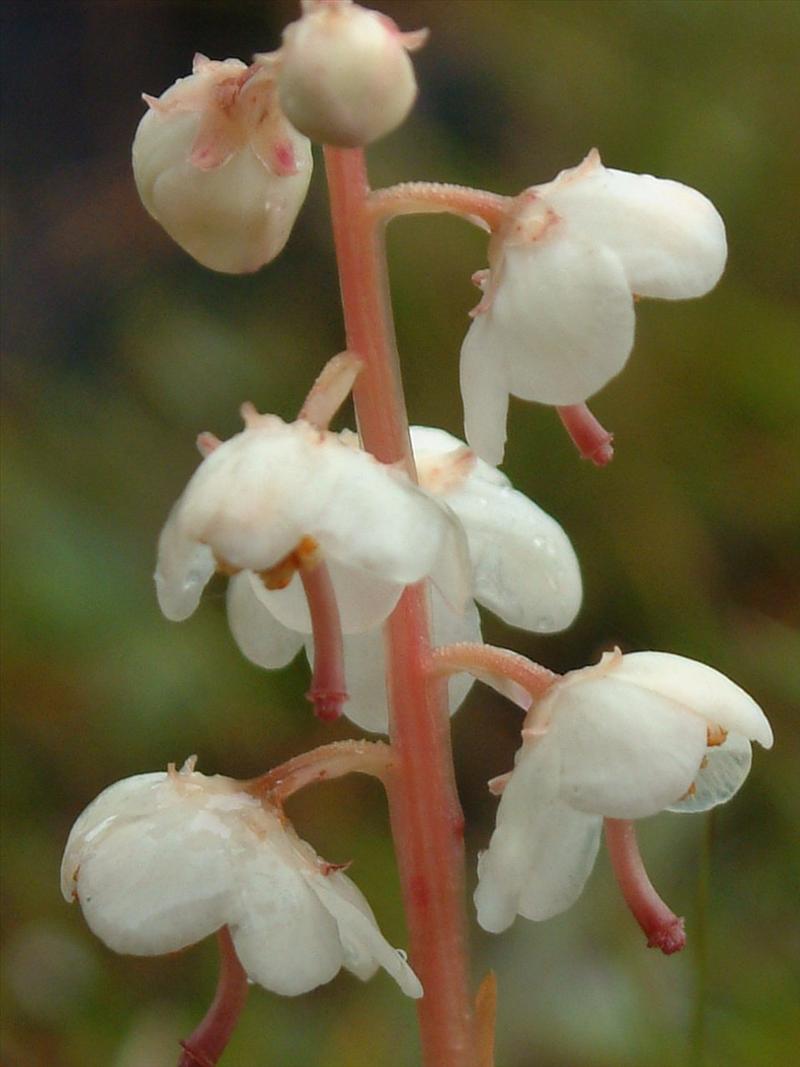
(328, 691)
(662, 928)
(590, 438)
(207, 1043)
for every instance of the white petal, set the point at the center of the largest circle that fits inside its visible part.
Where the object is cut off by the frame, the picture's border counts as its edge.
(430, 444)
(364, 600)
(721, 775)
(365, 664)
(183, 570)
(363, 945)
(265, 641)
(449, 627)
(568, 842)
(284, 938)
(670, 238)
(541, 852)
(451, 570)
(128, 799)
(258, 494)
(484, 392)
(561, 317)
(157, 882)
(699, 688)
(146, 893)
(625, 752)
(524, 567)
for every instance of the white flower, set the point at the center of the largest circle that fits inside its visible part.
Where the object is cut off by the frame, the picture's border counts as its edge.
(345, 76)
(523, 568)
(556, 321)
(260, 498)
(218, 165)
(162, 860)
(632, 736)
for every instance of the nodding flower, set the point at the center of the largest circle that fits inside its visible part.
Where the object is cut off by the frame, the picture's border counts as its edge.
(160, 861)
(632, 736)
(556, 319)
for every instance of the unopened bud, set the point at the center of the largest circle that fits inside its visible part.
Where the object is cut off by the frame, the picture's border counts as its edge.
(346, 78)
(218, 165)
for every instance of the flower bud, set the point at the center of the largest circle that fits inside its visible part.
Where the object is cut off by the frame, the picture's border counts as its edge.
(218, 165)
(345, 77)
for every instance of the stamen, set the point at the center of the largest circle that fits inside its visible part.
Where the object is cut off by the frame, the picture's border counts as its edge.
(715, 735)
(590, 438)
(205, 1046)
(328, 691)
(661, 926)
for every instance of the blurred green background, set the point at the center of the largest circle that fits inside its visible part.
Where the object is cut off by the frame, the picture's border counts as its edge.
(118, 349)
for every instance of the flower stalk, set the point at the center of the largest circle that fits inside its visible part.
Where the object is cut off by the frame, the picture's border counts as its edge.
(321, 764)
(426, 817)
(485, 209)
(519, 678)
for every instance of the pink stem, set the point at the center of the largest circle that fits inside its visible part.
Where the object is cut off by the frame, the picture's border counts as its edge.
(592, 441)
(487, 661)
(662, 928)
(427, 823)
(209, 1040)
(323, 763)
(414, 198)
(328, 690)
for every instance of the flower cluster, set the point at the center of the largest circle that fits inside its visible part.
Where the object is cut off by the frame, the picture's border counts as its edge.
(378, 567)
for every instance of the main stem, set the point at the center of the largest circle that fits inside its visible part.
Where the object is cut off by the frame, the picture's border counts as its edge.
(427, 823)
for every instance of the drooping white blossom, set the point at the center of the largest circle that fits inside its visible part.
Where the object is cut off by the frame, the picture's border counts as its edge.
(220, 167)
(522, 567)
(261, 495)
(345, 76)
(635, 735)
(162, 860)
(556, 321)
